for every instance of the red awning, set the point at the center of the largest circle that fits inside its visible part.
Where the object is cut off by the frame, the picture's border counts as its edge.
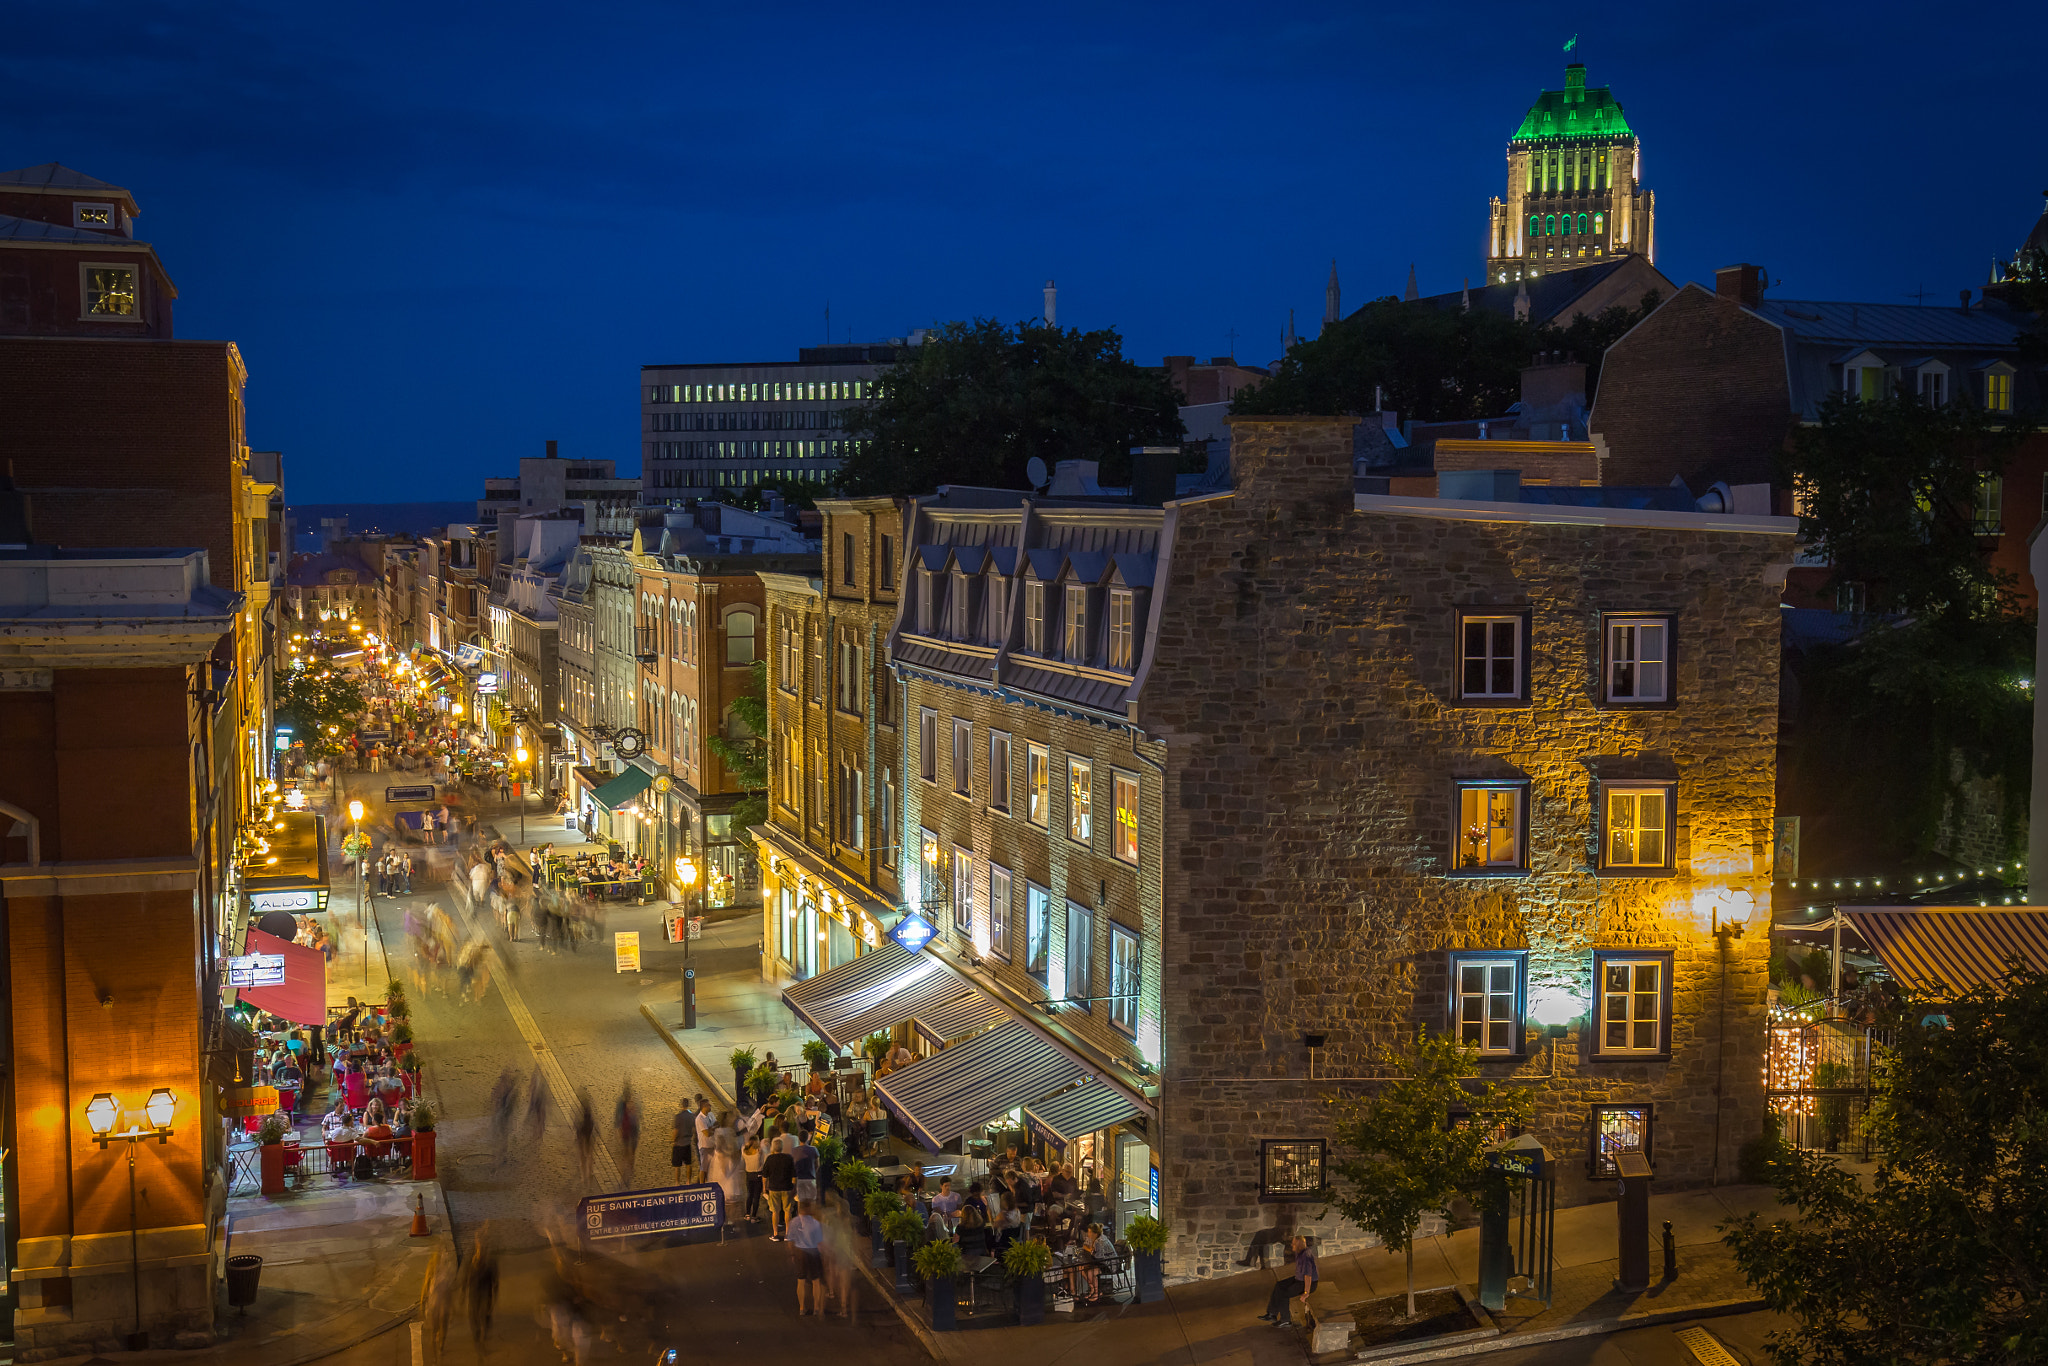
(303, 997)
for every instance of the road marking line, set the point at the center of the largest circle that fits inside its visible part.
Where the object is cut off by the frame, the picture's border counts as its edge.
(419, 1343)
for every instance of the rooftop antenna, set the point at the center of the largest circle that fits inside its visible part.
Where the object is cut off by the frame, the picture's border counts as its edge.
(1233, 346)
(828, 322)
(1918, 296)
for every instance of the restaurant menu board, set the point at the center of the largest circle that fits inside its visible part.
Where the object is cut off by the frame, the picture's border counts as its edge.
(256, 970)
(626, 951)
(671, 1209)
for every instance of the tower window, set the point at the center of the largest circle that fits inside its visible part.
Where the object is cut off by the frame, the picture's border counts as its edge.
(1582, 222)
(1535, 225)
(1550, 225)
(1599, 222)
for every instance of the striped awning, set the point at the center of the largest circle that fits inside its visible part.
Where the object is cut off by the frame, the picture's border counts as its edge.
(875, 991)
(1087, 1109)
(965, 1014)
(943, 1096)
(1944, 951)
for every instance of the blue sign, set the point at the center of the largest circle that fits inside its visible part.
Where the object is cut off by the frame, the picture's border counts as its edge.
(1154, 1192)
(913, 932)
(671, 1209)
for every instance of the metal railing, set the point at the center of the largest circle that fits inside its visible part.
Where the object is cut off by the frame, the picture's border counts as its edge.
(1818, 1082)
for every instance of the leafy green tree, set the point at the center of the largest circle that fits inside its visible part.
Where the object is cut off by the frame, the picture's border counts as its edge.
(322, 702)
(1941, 1255)
(979, 399)
(1421, 1142)
(747, 756)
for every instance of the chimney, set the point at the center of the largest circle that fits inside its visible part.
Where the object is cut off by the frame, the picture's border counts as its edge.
(551, 450)
(1153, 469)
(1743, 283)
(1052, 309)
(1966, 301)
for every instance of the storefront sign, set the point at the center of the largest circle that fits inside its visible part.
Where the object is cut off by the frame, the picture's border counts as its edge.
(913, 932)
(423, 792)
(626, 951)
(256, 970)
(487, 683)
(283, 741)
(298, 899)
(670, 1210)
(373, 735)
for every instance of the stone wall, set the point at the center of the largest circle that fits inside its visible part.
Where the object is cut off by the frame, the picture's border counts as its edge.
(1303, 689)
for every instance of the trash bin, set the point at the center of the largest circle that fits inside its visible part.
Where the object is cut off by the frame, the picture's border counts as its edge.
(243, 1273)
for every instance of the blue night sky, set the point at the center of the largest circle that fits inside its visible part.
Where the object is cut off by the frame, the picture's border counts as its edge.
(444, 233)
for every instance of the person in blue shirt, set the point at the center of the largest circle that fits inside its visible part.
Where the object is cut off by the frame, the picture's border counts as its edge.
(1303, 1281)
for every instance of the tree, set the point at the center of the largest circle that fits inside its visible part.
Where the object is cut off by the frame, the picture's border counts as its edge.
(1942, 1255)
(746, 756)
(322, 702)
(978, 400)
(1421, 1142)
(1940, 670)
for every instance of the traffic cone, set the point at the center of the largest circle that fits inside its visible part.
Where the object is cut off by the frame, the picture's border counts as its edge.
(419, 1215)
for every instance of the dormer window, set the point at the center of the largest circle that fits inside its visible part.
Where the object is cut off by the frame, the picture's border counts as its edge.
(1998, 387)
(998, 610)
(928, 617)
(1863, 377)
(959, 625)
(1034, 617)
(1122, 611)
(100, 216)
(1934, 385)
(1074, 635)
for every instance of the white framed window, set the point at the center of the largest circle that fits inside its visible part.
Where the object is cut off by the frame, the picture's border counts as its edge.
(98, 216)
(999, 911)
(1124, 840)
(1080, 953)
(928, 744)
(960, 628)
(821, 785)
(1126, 959)
(1487, 1001)
(108, 290)
(1637, 820)
(1034, 618)
(1122, 611)
(885, 818)
(1989, 512)
(1037, 930)
(850, 675)
(1632, 1002)
(1037, 785)
(1080, 800)
(927, 601)
(1074, 625)
(739, 637)
(963, 892)
(851, 809)
(1492, 826)
(1490, 656)
(998, 609)
(963, 756)
(792, 771)
(1998, 389)
(998, 770)
(1638, 659)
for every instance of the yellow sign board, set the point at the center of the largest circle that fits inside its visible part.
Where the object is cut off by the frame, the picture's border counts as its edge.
(626, 950)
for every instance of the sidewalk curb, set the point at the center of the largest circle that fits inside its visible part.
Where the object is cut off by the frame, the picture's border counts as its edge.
(926, 1338)
(695, 1068)
(1592, 1328)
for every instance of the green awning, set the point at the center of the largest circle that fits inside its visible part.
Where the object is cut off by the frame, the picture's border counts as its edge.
(621, 790)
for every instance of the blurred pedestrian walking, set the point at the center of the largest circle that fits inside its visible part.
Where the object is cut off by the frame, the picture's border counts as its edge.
(586, 1138)
(626, 1123)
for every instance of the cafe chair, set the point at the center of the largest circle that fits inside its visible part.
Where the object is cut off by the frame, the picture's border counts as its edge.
(878, 1135)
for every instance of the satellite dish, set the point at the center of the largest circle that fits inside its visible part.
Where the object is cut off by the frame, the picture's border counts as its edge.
(1034, 470)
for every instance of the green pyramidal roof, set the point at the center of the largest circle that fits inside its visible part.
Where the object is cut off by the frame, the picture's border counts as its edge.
(1577, 111)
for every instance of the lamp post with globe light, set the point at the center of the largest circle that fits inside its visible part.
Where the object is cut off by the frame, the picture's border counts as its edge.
(686, 873)
(525, 781)
(358, 847)
(100, 1114)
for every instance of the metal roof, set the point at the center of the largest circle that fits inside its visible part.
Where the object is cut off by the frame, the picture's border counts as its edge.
(14, 229)
(1912, 325)
(52, 175)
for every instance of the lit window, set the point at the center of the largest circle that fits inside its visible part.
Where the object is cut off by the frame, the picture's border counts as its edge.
(1550, 225)
(1037, 930)
(999, 911)
(1486, 1007)
(1638, 827)
(1489, 835)
(1074, 626)
(1490, 657)
(1600, 219)
(1990, 508)
(963, 758)
(1126, 833)
(1638, 659)
(962, 605)
(998, 771)
(1293, 1169)
(1122, 607)
(1037, 785)
(1619, 1129)
(963, 892)
(92, 215)
(997, 589)
(1126, 969)
(1998, 391)
(1080, 800)
(1632, 1002)
(109, 291)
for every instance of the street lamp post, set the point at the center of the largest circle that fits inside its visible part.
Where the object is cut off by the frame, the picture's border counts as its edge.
(355, 816)
(525, 781)
(100, 1113)
(686, 872)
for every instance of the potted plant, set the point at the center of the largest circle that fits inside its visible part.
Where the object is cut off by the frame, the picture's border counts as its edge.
(401, 1036)
(423, 1141)
(818, 1054)
(743, 1061)
(877, 1046)
(831, 1151)
(271, 1136)
(903, 1231)
(939, 1264)
(1147, 1237)
(1026, 1260)
(878, 1206)
(761, 1081)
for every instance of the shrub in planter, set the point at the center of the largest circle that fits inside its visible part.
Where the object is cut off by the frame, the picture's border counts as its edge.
(1147, 1237)
(743, 1060)
(761, 1081)
(271, 1156)
(878, 1206)
(399, 1008)
(818, 1054)
(831, 1152)
(903, 1231)
(394, 990)
(857, 1179)
(401, 1032)
(939, 1263)
(877, 1045)
(1026, 1261)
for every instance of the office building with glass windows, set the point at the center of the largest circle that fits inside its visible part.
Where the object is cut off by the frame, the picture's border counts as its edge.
(709, 429)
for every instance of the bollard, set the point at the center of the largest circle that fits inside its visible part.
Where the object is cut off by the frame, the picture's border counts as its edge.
(1670, 1253)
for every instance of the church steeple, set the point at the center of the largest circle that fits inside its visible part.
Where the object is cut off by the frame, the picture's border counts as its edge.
(1412, 294)
(1288, 342)
(1331, 310)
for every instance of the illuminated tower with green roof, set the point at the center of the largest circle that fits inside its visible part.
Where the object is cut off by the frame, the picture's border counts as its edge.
(1575, 193)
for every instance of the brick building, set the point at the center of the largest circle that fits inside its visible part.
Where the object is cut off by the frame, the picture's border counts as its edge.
(69, 261)
(828, 849)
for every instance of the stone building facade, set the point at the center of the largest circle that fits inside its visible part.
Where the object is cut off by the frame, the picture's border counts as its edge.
(828, 849)
(1574, 193)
